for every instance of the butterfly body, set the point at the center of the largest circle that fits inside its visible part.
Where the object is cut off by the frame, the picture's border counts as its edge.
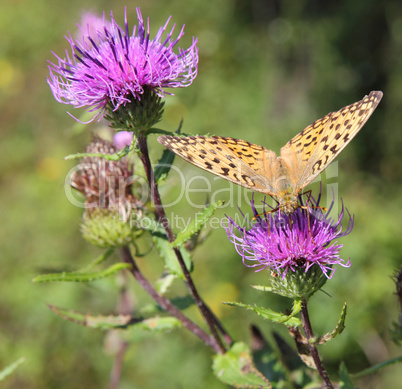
(301, 160)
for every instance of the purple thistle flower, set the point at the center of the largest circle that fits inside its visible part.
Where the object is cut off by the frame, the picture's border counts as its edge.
(90, 24)
(293, 242)
(116, 67)
(121, 139)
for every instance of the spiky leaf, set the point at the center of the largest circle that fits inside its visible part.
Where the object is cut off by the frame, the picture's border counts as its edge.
(97, 261)
(236, 368)
(196, 224)
(98, 321)
(163, 168)
(82, 277)
(266, 313)
(158, 324)
(163, 283)
(345, 381)
(340, 326)
(10, 368)
(110, 157)
(165, 163)
(377, 367)
(169, 256)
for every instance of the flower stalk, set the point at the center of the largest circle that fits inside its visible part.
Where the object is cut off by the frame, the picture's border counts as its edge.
(313, 350)
(165, 303)
(208, 316)
(124, 308)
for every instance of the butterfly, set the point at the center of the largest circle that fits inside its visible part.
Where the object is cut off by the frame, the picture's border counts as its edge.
(301, 160)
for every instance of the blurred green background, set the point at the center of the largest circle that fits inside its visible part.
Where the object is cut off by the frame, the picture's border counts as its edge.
(267, 69)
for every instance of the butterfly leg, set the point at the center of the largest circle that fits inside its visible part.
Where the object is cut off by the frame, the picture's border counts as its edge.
(308, 193)
(306, 209)
(265, 213)
(267, 219)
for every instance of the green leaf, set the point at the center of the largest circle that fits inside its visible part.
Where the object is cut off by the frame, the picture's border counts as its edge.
(10, 368)
(169, 256)
(266, 360)
(196, 224)
(163, 168)
(163, 283)
(266, 313)
(151, 225)
(180, 302)
(158, 324)
(110, 157)
(82, 277)
(165, 163)
(87, 320)
(150, 327)
(236, 368)
(262, 288)
(340, 326)
(377, 367)
(396, 333)
(345, 381)
(288, 364)
(97, 261)
(164, 132)
(159, 131)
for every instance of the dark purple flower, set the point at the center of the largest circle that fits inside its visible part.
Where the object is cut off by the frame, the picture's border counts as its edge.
(115, 67)
(288, 243)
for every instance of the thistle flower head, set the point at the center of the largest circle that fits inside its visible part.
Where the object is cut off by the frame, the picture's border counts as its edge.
(291, 243)
(112, 67)
(107, 186)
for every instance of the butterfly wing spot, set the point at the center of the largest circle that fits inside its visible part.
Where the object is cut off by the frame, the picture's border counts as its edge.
(238, 161)
(247, 180)
(225, 171)
(208, 165)
(332, 132)
(334, 149)
(304, 157)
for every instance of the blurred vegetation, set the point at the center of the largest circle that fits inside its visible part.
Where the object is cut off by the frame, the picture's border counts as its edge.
(267, 69)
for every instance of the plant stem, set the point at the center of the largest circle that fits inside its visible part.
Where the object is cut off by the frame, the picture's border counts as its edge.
(124, 308)
(313, 350)
(117, 366)
(208, 316)
(166, 303)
